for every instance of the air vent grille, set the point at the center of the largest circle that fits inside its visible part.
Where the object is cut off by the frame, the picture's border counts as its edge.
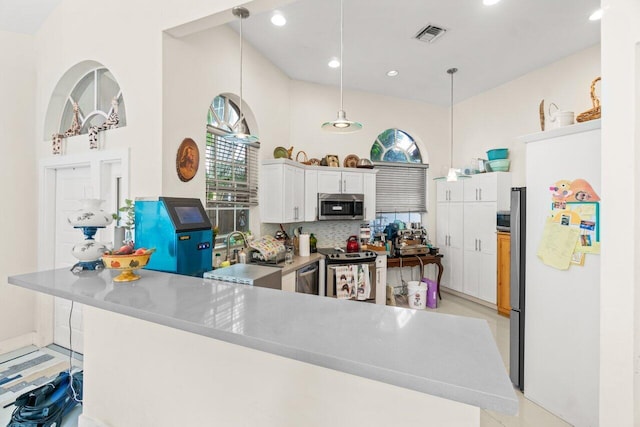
(430, 33)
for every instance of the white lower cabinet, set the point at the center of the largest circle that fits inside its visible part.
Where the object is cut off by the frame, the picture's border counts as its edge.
(449, 233)
(289, 282)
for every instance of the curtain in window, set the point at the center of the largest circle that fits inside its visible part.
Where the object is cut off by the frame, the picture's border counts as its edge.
(401, 187)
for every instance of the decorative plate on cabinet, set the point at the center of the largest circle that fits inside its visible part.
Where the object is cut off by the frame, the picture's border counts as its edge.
(351, 161)
(280, 153)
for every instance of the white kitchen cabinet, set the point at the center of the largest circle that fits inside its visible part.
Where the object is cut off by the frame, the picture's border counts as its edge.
(282, 193)
(465, 231)
(310, 195)
(369, 196)
(480, 252)
(449, 238)
(335, 182)
(289, 282)
(488, 187)
(449, 191)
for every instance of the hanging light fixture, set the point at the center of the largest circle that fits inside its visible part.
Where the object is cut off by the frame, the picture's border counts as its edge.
(238, 134)
(341, 124)
(453, 174)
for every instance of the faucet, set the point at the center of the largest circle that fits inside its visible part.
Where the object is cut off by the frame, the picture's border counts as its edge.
(230, 235)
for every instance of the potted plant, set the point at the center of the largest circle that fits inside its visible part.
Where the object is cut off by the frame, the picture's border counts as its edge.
(123, 231)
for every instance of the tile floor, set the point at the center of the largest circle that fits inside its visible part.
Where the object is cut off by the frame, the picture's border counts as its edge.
(530, 414)
(71, 419)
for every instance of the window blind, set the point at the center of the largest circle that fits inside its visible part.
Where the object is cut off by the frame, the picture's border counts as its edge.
(232, 173)
(401, 187)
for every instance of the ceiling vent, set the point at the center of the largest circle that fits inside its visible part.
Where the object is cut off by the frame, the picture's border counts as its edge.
(430, 33)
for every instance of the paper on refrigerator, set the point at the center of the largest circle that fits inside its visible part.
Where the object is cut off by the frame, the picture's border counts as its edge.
(557, 245)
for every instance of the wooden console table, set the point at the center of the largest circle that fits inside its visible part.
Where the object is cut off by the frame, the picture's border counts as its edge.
(422, 260)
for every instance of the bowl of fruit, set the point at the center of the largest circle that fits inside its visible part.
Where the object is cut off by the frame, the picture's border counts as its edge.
(127, 259)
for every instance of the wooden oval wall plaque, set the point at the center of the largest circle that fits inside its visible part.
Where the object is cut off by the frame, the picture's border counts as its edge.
(187, 160)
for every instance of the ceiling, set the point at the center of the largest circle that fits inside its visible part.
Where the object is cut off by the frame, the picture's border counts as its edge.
(24, 16)
(489, 45)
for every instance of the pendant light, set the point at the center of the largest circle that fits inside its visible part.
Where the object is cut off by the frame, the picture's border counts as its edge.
(238, 134)
(453, 174)
(341, 124)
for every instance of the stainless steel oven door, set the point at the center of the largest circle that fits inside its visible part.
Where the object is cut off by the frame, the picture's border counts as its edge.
(331, 279)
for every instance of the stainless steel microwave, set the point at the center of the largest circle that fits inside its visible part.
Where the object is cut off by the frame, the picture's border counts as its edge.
(340, 206)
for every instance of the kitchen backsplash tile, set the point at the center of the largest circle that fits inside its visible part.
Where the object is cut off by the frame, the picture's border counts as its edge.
(328, 233)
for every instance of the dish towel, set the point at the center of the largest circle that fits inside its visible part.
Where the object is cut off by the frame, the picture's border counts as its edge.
(345, 282)
(364, 283)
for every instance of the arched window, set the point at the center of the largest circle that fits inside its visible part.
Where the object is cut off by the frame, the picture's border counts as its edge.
(231, 168)
(94, 93)
(395, 145)
(401, 181)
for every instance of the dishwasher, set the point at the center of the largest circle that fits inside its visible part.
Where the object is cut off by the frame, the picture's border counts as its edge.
(307, 279)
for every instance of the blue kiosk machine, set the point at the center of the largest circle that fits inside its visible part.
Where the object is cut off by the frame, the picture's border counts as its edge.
(180, 231)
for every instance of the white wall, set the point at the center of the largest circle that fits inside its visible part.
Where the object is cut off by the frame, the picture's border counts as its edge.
(18, 189)
(494, 119)
(288, 112)
(619, 297)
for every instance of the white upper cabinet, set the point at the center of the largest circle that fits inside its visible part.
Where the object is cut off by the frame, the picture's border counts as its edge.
(335, 182)
(449, 191)
(488, 187)
(289, 190)
(282, 193)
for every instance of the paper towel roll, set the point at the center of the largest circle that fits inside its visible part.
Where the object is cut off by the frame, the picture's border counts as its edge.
(304, 244)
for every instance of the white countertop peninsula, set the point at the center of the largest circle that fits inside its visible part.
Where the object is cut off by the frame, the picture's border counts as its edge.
(229, 346)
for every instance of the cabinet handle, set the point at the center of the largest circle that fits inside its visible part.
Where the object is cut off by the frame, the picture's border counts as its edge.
(344, 185)
(480, 192)
(476, 240)
(476, 194)
(480, 245)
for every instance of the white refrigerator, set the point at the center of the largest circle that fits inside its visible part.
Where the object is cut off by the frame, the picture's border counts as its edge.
(561, 348)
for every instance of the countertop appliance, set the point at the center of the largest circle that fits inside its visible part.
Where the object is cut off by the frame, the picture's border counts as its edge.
(248, 274)
(179, 230)
(352, 244)
(517, 227)
(340, 206)
(338, 257)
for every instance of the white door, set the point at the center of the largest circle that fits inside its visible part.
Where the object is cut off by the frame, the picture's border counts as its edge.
(101, 180)
(71, 185)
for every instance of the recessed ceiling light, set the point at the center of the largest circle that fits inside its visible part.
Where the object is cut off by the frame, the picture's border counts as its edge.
(334, 63)
(278, 19)
(392, 73)
(490, 2)
(596, 16)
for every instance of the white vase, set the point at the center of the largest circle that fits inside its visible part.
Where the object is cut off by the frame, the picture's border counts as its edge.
(90, 215)
(88, 250)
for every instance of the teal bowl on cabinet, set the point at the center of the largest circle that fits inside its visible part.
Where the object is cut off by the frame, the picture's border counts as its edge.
(498, 153)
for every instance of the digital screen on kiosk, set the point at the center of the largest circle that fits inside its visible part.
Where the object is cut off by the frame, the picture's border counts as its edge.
(189, 215)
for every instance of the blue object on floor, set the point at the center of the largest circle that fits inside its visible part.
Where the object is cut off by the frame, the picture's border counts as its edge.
(46, 405)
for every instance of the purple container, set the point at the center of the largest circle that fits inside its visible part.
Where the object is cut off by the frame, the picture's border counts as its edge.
(432, 292)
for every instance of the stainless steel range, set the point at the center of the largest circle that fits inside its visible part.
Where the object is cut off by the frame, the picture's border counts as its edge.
(350, 275)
